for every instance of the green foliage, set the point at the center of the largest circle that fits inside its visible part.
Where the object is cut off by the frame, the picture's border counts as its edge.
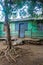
(8, 9)
(40, 1)
(32, 6)
(15, 1)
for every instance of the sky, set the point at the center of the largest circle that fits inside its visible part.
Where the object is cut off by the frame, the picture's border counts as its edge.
(2, 18)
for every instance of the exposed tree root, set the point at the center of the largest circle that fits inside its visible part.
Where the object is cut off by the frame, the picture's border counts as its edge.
(10, 55)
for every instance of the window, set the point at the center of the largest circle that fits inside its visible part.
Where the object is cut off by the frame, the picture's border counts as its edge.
(40, 26)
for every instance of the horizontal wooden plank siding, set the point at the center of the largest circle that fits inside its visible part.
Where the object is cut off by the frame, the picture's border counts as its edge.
(38, 34)
(32, 31)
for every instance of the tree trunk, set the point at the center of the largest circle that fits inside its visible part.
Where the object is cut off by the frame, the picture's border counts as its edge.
(7, 24)
(8, 32)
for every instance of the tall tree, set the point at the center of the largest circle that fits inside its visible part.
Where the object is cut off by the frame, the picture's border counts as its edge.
(7, 23)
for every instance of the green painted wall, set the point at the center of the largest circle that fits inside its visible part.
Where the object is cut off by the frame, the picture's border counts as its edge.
(1, 30)
(36, 33)
(12, 30)
(31, 32)
(28, 33)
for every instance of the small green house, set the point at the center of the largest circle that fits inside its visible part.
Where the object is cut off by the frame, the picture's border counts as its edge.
(27, 28)
(24, 28)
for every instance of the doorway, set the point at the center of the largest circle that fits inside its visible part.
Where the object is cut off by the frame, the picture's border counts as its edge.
(21, 30)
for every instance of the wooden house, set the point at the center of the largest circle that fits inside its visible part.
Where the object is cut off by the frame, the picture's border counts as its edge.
(24, 28)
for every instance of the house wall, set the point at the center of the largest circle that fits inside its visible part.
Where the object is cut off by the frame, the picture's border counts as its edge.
(28, 32)
(32, 31)
(37, 31)
(13, 30)
(2, 33)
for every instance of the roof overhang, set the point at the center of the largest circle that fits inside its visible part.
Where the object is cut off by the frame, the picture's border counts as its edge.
(28, 19)
(24, 19)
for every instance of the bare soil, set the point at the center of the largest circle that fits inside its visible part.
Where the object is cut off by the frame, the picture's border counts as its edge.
(29, 55)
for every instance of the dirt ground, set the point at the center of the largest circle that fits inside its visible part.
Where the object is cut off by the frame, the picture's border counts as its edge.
(30, 55)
